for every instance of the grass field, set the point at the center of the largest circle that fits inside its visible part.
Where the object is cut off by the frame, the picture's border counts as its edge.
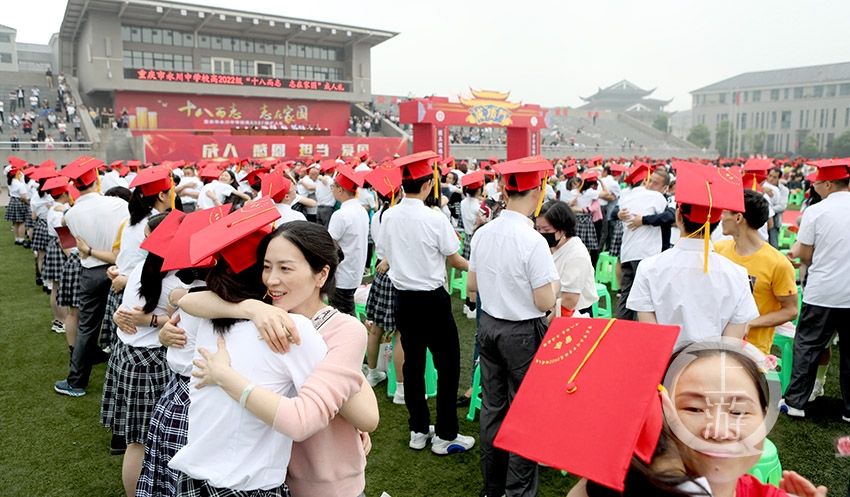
(52, 445)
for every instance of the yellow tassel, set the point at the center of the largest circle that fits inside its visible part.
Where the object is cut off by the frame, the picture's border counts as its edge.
(571, 385)
(98, 181)
(436, 181)
(705, 230)
(392, 191)
(171, 194)
(542, 195)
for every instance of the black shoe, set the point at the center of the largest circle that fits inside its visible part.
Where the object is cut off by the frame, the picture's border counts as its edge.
(27, 244)
(100, 357)
(39, 282)
(18, 242)
(117, 446)
(463, 401)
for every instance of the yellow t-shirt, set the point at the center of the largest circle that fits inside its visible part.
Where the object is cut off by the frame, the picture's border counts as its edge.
(771, 275)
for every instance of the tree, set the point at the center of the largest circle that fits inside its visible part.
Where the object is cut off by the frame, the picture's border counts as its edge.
(841, 145)
(721, 139)
(759, 141)
(809, 148)
(700, 136)
(660, 123)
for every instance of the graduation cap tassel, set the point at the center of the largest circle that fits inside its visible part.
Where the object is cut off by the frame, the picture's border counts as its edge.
(706, 229)
(171, 194)
(571, 386)
(392, 191)
(542, 195)
(436, 181)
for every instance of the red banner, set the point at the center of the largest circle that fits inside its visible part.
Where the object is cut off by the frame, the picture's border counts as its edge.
(234, 80)
(176, 146)
(149, 111)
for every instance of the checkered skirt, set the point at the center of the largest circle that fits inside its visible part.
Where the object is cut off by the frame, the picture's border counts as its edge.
(168, 433)
(54, 261)
(467, 247)
(135, 380)
(108, 336)
(616, 237)
(380, 306)
(69, 283)
(40, 237)
(17, 211)
(188, 487)
(586, 231)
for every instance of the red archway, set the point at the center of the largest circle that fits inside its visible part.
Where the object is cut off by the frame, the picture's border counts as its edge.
(432, 116)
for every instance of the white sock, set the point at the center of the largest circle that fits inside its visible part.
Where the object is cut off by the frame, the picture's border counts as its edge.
(399, 388)
(370, 370)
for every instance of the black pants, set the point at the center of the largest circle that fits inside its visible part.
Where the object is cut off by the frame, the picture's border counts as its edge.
(342, 299)
(506, 351)
(424, 320)
(94, 290)
(814, 330)
(323, 214)
(628, 270)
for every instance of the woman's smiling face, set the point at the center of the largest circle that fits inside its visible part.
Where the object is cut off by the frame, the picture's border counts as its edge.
(288, 276)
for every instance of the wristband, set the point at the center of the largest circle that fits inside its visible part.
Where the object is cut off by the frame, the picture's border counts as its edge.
(245, 393)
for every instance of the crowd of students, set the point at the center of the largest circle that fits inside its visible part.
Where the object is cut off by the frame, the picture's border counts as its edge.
(171, 272)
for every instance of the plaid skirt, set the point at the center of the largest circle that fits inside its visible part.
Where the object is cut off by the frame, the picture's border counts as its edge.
(586, 231)
(467, 246)
(69, 283)
(380, 306)
(135, 380)
(168, 433)
(188, 487)
(616, 237)
(40, 237)
(17, 211)
(108, 336)
(54, 261)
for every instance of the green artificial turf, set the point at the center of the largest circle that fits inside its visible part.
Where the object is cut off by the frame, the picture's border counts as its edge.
(52, 445)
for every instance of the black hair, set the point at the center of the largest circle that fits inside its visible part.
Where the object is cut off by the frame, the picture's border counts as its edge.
(776, 170)
(692, 226)
(471, 192)
(756, 211)
(41, 193)
(140, 205)
(191, 274)
(315, 244)
(150, 283)
(843, 183)
(84, 186)
(385, 204)
(120, 192)
(234, 287)
(662, 171)
(233, 182)
(414, 186)
(587, 185)
(560, 216)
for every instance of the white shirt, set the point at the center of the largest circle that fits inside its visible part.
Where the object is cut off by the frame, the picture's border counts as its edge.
(349, 226)
(110, 180)
(510, 260)
(469, 208)
(180, 358)
(227, 445)
(491, 189)
(673, 285)
(130, 254)
(613, 188)
(221, 190)
(576, 272)
(826, 227)
(18, 189)
(54, 217)
(367, 198)
(39, 205)
(287, 214)
(194, 186)
(779, 200)
(645, 241)
(416, 241)
(96, 219)
(303, 190)
(550, 193)
(585, 198)
(145, 336)
(324, 194)
(375, 231)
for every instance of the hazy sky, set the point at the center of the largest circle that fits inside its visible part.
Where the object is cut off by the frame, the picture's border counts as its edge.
(552, 52)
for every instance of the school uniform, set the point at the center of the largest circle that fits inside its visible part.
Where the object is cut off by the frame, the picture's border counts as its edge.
(349, 227)
(17, 211)
(287, 214)
(54, 258)
(325, 200)
(380, 306)
(509, 259)
(221, 191)
(39, 205)
(469, 208)
(111, 180)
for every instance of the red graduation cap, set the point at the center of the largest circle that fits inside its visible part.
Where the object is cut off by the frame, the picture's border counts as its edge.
(48, 163)
(116, 164)
(570, 171)
(83, 170)
(17, 162)
(363, 155)
(348, 179)
(209, 171)
(275, 186)
(236, 236)
(524, 174)
(753, 165)
(327, 165)
(160, 239)
(254, 176)
(134, 164)
(473, 180)
(417, 165)
(591, 366)
(178, 254)
(153, 180)
(42, 172)
(709, 190)
(385, 180)
(832, 169)
(590, 176)
(56, 186)
(617, 168)
(638, 173)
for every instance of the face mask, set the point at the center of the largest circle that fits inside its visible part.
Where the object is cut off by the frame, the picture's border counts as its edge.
(550, 239)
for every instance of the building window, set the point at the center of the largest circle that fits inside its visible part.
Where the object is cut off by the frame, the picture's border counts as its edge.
(785, 119)
(264, 69)
(847, 117)
(203, 41)
(844, 89)
(757, 96)
(773, 120)
(834, 116)
(830, 90)
(746, 96)
(5, 58)
(222, 66)
(774, 94)
(798, 92)
(817, 91)
(722, 99)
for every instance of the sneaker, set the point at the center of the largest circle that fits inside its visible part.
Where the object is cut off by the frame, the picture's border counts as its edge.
(64, 388)
(58, 327)
(463, 401)
(791, 411)
(39, 281)
(418, 441)
(817, 391)
(461, 443)
(398, 398)
(845, 418)
(470, 313)
(374, 377)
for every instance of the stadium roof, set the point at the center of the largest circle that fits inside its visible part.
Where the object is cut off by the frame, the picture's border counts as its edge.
(782, 77)
(217, 20)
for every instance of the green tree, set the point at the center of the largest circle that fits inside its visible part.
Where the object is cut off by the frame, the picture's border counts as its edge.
(841, 145)
(721, 139)
(700, 136)
(809, 148)
(759, 141)
(660, 123)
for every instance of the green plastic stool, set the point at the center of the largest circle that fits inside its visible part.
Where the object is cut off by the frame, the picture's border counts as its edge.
(786, 237)
(604, 297)
(785, 362)
(475, 400)
(430, 374)
(768, 469)
(360, 312)
(457, 283)
(799, 304)
(606, 270)
(795, 199)
(373, 263)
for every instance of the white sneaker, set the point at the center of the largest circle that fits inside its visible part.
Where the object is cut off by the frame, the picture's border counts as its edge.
(817, 391)
(398, 398)
(375, 376)
(461, 443)
(470, 313)
(418, 441)
(791, 411)
(58, 327)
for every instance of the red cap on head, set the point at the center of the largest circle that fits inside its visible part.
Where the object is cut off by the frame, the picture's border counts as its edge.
(254, 176)
(709, 190)
(178, 256)
(637, 173)
(832, 169)
(57, 185)
(348, 179)
(153, 180)
(209, 172)
(160, 240)
(589, 365)
(617, 168)
(570, 171)
(83, 171)
(275, 186)
(588, 176)
(328, 165)
(363, 155)
(418, 165)
(385, 180)
(17, 163)
(473, 180)
(134, 164)
(524, 174)
(42, 172)
(236, 236)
